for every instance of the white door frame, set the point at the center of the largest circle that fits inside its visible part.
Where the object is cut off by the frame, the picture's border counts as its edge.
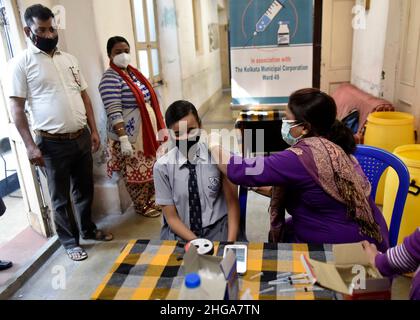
(31, 180)
(336, 65)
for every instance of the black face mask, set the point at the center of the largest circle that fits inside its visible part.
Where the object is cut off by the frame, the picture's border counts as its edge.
(44, 44)
(185, 145)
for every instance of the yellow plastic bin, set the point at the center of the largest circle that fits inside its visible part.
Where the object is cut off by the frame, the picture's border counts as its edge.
(410, 221)
(388, 130)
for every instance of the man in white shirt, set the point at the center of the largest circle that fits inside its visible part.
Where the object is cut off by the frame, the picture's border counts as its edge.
(51, 85)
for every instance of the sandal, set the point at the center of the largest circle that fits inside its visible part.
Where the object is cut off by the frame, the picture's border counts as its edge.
(77, 254)
(99, 235)
(152, 213)
(150, 210)
(4, 265)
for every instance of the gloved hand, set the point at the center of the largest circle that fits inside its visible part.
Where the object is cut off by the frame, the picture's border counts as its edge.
(126, 147)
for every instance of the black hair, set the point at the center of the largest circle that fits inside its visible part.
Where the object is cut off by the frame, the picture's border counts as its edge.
(178, 110)
(318, 112)
(113, 41)
(37, 11)
(342, 136)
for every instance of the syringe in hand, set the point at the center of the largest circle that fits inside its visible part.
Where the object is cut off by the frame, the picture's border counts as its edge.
(269, 16)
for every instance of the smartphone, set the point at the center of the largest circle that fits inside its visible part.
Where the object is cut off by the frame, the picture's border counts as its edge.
(241, 252)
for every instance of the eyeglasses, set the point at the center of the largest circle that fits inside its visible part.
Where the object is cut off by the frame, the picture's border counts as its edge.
(284, 119)
(294, 123)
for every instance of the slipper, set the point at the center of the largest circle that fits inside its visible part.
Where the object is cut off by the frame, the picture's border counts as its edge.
(150, 210)
(99, 235)
(77, 254)
(5, 265)
(152, 213)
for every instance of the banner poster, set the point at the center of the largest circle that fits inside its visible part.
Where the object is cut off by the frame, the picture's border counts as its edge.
(271, 50)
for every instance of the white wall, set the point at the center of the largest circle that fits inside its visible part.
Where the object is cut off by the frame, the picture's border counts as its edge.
(79, 25)
(23, 4)
(112, 18)
(368, 49)
(169, 53)
(201, 74)
(392, 49)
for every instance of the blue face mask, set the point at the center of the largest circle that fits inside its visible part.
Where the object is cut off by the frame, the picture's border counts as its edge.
(285, 132)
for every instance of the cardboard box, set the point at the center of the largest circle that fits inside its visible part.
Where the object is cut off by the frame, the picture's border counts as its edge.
(225, 285)
(350, 274)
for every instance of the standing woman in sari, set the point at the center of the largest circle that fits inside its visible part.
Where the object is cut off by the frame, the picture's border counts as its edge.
(134, 118)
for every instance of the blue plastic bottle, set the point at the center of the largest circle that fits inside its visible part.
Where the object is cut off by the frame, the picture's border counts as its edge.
(191, 289)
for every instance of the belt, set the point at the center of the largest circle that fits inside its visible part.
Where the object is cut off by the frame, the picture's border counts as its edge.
(60, 136)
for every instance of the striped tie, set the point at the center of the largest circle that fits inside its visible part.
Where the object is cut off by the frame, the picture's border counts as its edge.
(194, 201)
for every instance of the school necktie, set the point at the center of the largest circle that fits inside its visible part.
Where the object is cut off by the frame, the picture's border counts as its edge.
(194, 200)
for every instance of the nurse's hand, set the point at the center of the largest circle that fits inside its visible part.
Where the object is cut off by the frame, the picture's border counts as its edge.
(126, 147)
(371, 251)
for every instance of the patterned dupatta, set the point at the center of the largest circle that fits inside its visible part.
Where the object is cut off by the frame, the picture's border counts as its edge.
(339, 175)
(150, 143)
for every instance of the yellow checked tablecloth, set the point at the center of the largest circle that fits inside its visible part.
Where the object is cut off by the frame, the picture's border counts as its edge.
(150, 270)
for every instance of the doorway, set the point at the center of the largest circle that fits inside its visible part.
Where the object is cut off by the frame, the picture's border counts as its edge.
(223, 13)
(25, 226)
(337, 43)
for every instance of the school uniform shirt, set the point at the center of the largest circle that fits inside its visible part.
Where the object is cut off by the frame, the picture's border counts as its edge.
(171, 176)
(52, 88)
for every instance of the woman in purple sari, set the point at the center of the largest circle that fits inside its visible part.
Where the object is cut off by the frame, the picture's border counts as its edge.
(322, 185)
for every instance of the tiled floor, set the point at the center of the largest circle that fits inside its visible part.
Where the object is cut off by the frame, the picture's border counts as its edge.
(82, 278)
(14, 219)
(20, 250)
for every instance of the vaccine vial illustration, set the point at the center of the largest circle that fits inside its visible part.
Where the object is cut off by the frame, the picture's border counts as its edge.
(283, 34)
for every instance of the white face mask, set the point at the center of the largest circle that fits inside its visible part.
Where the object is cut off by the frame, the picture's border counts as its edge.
(122, 60)
(285, 132)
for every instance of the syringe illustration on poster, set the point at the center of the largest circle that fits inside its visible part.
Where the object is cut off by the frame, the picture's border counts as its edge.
(271, 49)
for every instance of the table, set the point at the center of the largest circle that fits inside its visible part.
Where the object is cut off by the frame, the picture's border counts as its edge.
(152, 270)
